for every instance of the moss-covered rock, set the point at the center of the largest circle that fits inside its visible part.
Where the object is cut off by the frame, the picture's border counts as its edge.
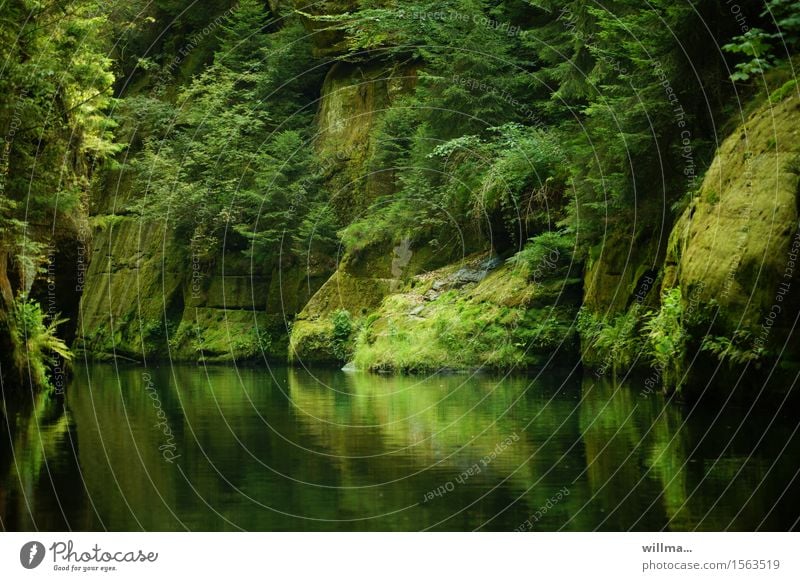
(358, 286)
(328, 41)
(354, 98)
(617, 272)
(142, 298)
(132, 290)
(737, 245)
(464, 317)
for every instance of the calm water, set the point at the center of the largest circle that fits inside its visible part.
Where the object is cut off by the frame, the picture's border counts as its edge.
(287, 449)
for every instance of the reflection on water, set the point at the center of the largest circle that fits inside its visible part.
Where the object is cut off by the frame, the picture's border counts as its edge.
(285, 449)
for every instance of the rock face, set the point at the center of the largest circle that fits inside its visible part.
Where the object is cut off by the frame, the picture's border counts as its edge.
(354, 98)
(144, 299)
(327, 42)
(358, 287)
(738, 245)
(617, 275)
(735, 247)
(732, 253)
(467, 316)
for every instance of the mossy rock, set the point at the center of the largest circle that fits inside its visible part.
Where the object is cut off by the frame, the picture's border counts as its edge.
(131, 288)
(354, 99)
(614, 273)
(223, 335)
(139, 292)
(312, 342)
(490, 324)
(312, 331)
(732, 247)
(326, 41)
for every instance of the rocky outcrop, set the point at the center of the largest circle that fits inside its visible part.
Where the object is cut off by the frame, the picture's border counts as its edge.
(619, 273)
(730, 268)
(328, 40)
(737, 246)
(354, 99)
(144, 298)
(478, 313)
(358, 288)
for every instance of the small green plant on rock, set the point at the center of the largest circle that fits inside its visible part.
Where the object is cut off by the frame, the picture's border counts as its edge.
(616, 342)
(341, 333)
(732, 350)
(667, 339)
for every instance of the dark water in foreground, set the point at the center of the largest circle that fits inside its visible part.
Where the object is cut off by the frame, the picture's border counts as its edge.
(324, 450)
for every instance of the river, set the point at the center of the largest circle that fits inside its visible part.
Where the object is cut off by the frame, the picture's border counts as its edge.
(226, 448)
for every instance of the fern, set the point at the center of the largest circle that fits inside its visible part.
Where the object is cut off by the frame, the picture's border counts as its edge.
(730, 350)
(37, 344)
(667, 339)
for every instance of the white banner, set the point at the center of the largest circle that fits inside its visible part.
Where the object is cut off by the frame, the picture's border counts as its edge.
(400, 556)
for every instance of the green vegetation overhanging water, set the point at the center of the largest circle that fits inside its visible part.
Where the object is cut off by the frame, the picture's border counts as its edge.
(221, 448)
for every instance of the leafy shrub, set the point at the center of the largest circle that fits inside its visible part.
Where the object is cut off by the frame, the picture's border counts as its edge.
(340, 336)
(732, 350)
(546, 255)
(37, 346)
(667, 338)
(758, 46)
(616, 342)
(252, 344)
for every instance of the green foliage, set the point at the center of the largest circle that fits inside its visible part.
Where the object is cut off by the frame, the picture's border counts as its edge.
(756, 47)
(608, 82)
(667, 339)
(763, 49)
(500, 186)
(36, 344)
(55, 89)
(341, 334)
(616, 342)
(736, 350)
(527, 126)
(779, 94)
(546, 255)
(237, 166)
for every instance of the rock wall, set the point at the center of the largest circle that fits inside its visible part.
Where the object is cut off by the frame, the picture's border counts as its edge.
(737, 243)
(143, 298)
(733, 254)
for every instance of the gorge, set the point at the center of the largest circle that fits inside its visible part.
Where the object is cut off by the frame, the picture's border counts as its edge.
(462, 195)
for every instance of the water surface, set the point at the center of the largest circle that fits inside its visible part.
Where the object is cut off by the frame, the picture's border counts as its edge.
(221, 448)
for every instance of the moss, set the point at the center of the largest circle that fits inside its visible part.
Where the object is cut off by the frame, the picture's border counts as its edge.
(327, 40)
(217, 335)
(312, 342)
(140, 293)
(354, 98)
(787, 89)
(734, 252)
(489, 325)
(616, 267)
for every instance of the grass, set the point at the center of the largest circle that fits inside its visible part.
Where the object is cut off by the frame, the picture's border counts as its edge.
(491, 325)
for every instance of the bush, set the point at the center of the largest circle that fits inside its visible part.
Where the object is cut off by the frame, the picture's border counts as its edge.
(546, 255)
(616, 342)
(667, 339)
(37, 346)
(340, 336)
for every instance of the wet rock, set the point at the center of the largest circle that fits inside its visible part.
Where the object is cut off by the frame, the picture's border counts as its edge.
(416, 311)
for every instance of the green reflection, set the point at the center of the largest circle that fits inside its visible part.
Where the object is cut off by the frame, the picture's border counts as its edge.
(290, 449)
